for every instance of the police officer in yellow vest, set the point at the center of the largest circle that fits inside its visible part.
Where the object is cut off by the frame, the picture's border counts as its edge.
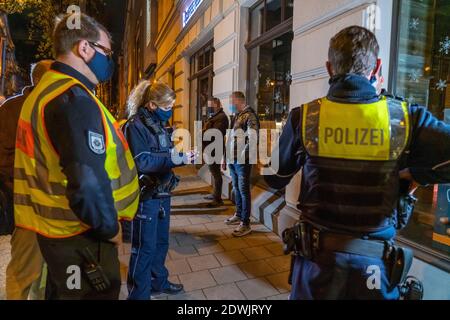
(74, 175)
(354, 147)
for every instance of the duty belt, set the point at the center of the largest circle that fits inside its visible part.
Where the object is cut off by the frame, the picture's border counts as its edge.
(308, 241)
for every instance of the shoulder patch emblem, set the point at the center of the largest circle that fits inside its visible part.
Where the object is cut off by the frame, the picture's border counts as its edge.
(96, 143)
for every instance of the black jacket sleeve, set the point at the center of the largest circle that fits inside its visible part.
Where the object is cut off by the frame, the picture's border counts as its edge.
(69, 119)
(429, 158)
(289, 155)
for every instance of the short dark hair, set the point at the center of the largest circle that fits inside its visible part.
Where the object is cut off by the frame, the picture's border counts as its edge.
(65, 38)
(239, 94)
(216, 101)
(353, 50)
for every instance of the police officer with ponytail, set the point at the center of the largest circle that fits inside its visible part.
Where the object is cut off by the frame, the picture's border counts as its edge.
(355, 147)
(149, 108)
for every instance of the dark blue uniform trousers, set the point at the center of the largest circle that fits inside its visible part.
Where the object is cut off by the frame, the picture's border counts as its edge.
(149, 246)
(342, 276)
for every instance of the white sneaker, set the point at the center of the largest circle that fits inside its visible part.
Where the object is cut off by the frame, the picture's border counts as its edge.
(242, 230)
(233, 221)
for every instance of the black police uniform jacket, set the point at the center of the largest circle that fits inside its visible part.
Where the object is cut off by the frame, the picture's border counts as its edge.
(428, 160)
(152, 151)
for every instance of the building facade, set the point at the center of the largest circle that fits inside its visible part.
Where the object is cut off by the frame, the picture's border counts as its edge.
(9, 72)
(275, 51)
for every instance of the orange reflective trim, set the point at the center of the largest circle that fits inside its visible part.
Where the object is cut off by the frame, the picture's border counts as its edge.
(121, 135)
(24, 138)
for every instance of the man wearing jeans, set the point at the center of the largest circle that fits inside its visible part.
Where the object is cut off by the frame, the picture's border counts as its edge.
(242, 144)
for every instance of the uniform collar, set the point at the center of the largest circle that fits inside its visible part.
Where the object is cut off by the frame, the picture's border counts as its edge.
(352, 88)
(68, 70)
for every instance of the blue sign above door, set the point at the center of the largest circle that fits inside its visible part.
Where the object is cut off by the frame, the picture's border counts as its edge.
(190, 10)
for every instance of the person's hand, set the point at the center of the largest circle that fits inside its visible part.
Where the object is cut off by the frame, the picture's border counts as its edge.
(406, 175)
(446, 221)
(117, 240)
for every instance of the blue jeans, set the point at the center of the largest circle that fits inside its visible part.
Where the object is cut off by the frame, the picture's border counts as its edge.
(341, 276)
(149, 246)
(240, 176)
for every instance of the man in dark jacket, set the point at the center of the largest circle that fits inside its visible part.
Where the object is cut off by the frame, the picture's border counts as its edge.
(241, 156)
(350, 190)
(80, 229)
(23, 275)
(217, 120)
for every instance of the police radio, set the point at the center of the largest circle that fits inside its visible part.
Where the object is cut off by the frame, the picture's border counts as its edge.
(94, 272)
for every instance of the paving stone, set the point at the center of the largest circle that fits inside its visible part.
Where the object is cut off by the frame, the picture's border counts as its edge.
(177, 267)
(193, 295)
(255, 240)
(197, 280)
(256, 288)
(283, 296)
(224, 292)
(230, 257)
(217, 226)
(255, 269)
(275, 248)
(203, 262)
(280, 281)
(183, 252)
(195, 229)
(280, 264)
(208, 248)
(256, 253)
(200, 220)
(180, 223)
(215, 235)
(233, 244)
(228, 274)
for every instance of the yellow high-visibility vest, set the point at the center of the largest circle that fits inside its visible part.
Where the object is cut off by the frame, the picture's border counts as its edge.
(40, 203)
(373, 132)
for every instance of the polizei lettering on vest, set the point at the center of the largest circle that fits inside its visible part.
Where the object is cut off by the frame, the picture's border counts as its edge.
(358, 136)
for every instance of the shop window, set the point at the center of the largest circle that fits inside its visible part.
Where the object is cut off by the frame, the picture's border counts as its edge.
(269, 67)
(421, 75)
(270, 75)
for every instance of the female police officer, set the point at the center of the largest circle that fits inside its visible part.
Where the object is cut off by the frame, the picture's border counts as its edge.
(149, 109)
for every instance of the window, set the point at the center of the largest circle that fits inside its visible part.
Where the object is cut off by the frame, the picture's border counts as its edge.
(270, 79)
(267, 14)
(201, 83)
(421, 75)
(269, 67)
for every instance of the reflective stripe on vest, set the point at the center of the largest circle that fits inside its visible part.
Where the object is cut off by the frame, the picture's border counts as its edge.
(40, 185)
(375, 132)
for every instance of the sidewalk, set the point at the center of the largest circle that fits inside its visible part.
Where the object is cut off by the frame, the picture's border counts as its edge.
(203, 254)
(209, 261)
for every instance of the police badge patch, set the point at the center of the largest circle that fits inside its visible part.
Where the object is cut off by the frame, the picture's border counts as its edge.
(96, 143)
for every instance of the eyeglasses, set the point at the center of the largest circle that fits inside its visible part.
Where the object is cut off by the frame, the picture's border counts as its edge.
(108, 52)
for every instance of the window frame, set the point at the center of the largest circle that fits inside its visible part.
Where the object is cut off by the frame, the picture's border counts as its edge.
(424, 253)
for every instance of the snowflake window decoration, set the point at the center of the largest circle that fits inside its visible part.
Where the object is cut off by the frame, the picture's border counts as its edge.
(415, 75)
(441, 85)
(414, 24)
(445, 45)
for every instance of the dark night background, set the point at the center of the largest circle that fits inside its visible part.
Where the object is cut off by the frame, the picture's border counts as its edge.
(110, 13)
